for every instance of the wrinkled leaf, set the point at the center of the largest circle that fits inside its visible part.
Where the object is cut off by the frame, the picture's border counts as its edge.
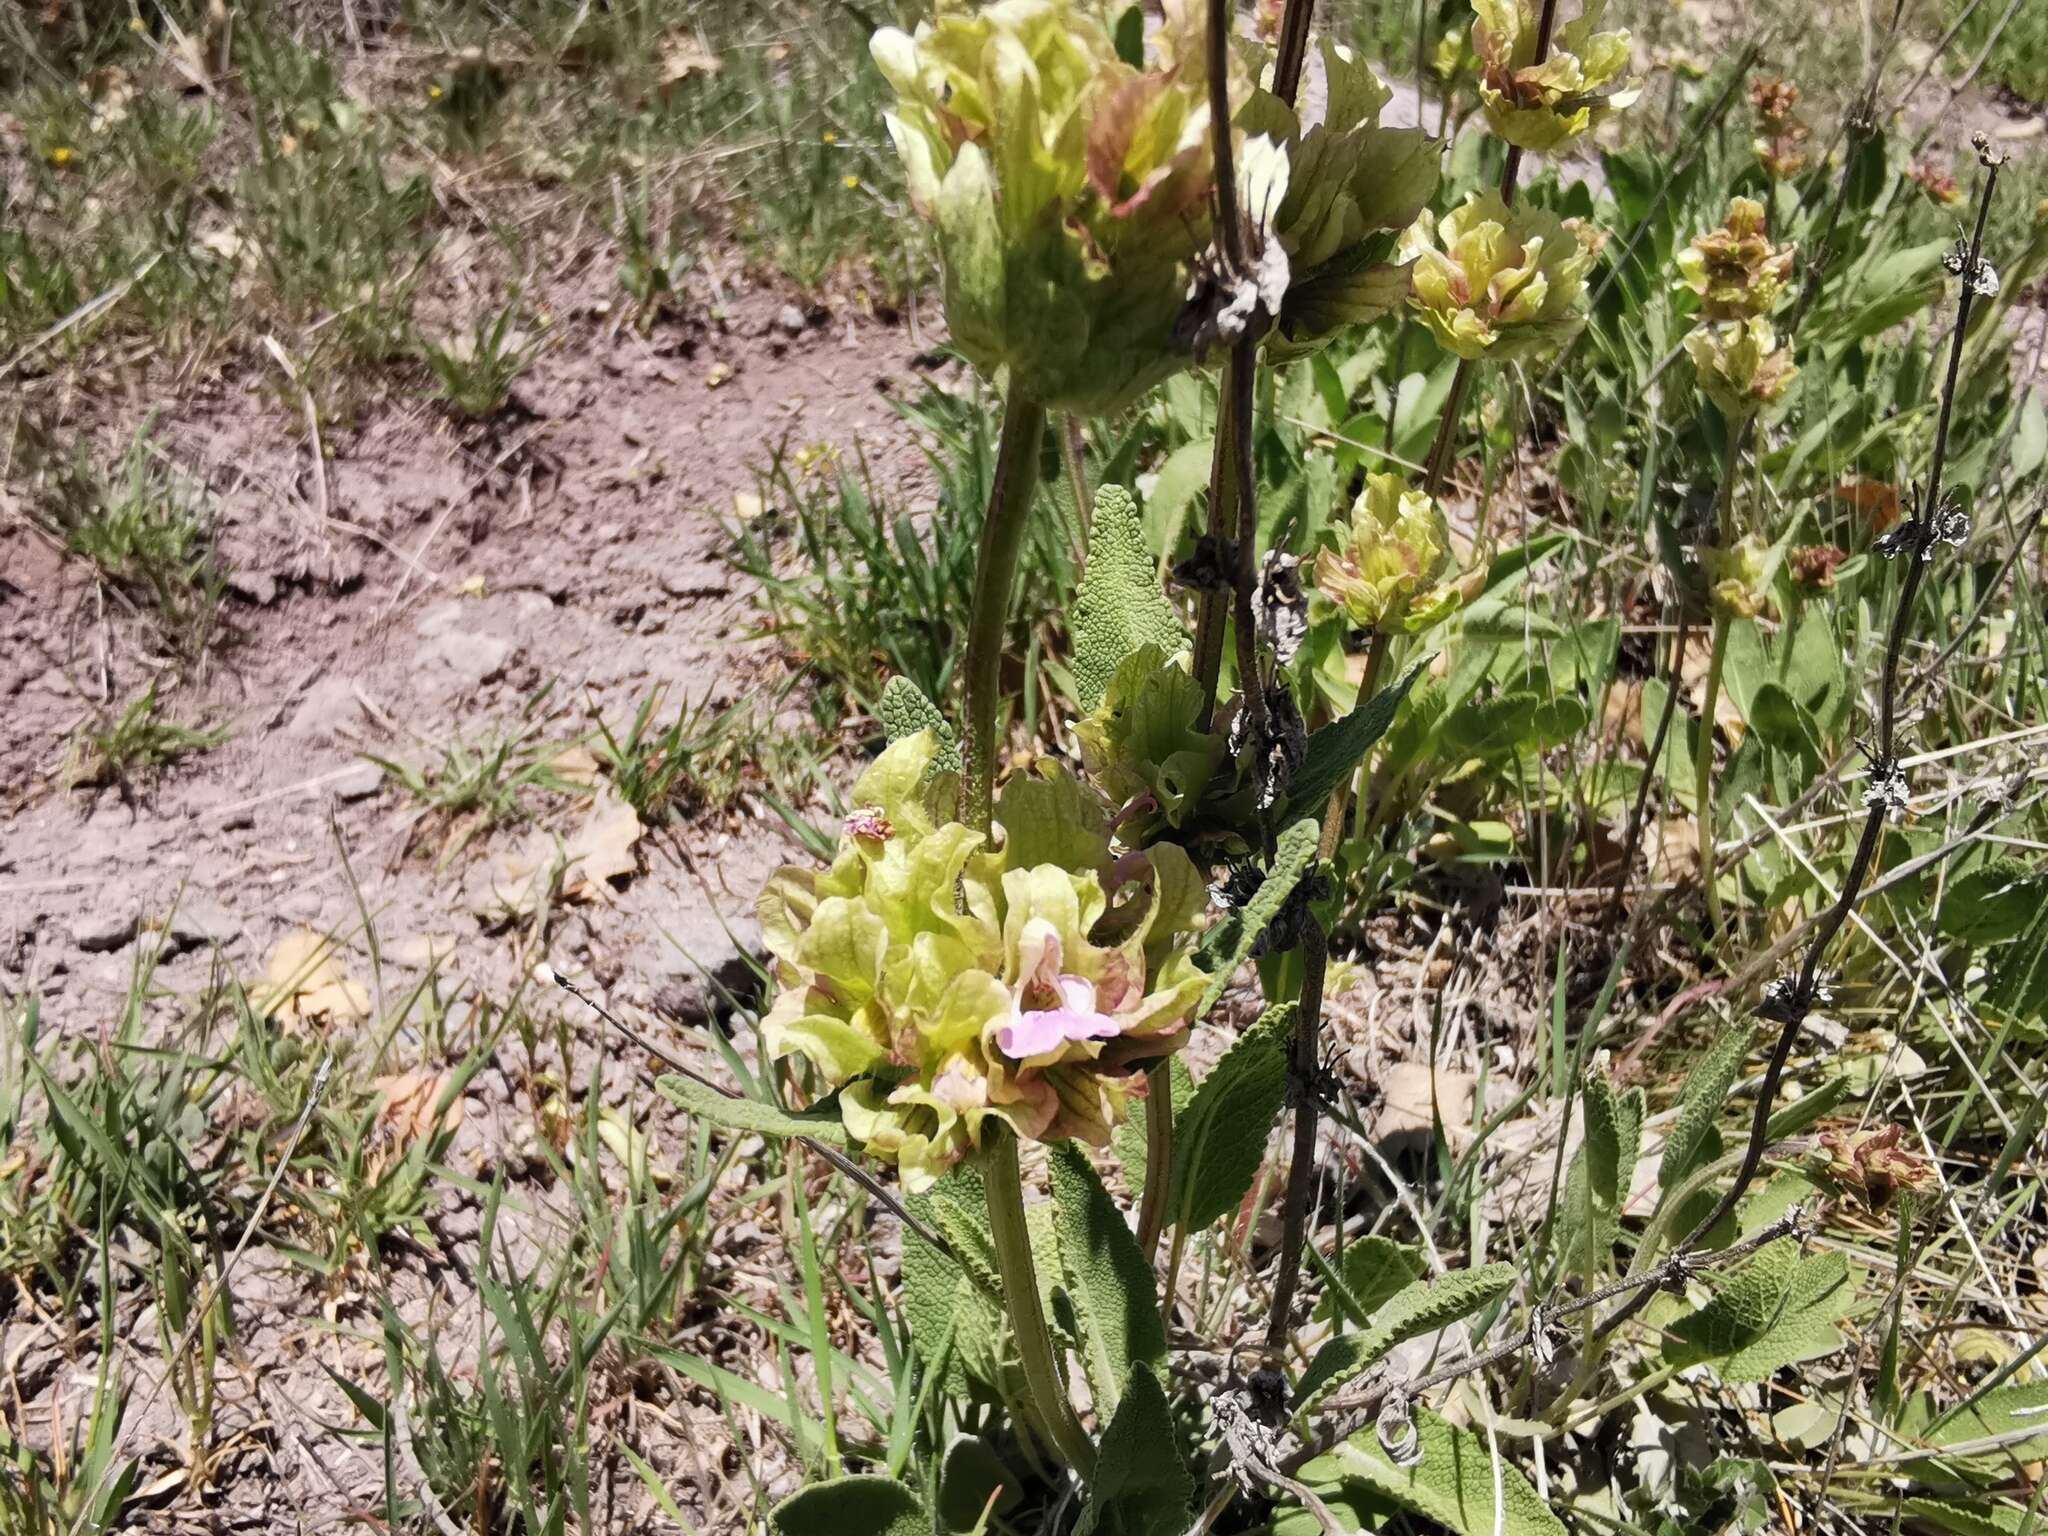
(1598, 1184)
(1775, 1310)
(707, 1103)
(1373, 1270)
(1421, 1307)
(852, 1506)
(1108, 1278)
(1141, 1485)
(905, 711)
(1457, 1484)
(1229, 943)
(1993, 904)
(1119, 607)
(1220, 1141)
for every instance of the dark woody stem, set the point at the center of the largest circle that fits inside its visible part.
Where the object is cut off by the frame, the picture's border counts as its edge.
(1796, 1001)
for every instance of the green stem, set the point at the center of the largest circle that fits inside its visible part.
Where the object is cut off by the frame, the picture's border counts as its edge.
(1002, 543)
(1004, 1182)
(1308, 1021)
(1703, 759)
(1158, 1157)
(1703, 771)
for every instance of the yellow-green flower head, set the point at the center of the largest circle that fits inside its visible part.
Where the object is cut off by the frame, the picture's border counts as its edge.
(1346, 188)
(1069, 190)
(1739, 579)
(1735, 269)
(936, 981)
(1740, 364)
(1385, 573)
(1498, 282)
(1542, 107)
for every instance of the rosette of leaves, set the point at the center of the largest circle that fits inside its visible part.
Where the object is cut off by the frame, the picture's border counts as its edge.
(1543, 106)
(935, 980)
(1069, 190)
(1386, 570)
(1735, 270)
(1741, 364)
(1492, 281)
(1351, 187)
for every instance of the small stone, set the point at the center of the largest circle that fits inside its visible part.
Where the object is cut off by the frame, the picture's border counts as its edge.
(474, 658)
(99, 933)
(790, 320)
(257, 587)
(196, 922)
(357, 783)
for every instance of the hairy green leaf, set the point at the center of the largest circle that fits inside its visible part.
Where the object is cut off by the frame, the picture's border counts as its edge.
(1132, 1137)
(1457, 1484)
(1111, 1283)
(1992, 904)
(904, 711)
(1141, 1485)
(1229, 943)
(1373, 1269)
(1338, 747)
(2019, 979)
(1973, 1517)
(2007, 1410)
(1119, 607)
(1776, 1310)
(1695, 1138)
(703, 1102)
(1418, 1308)
(1598, 1184)
(852, 1506)
(1219, 1142)
(972, 1475)
(953, 1323)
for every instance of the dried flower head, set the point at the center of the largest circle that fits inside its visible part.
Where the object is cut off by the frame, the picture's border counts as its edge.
(1874, 1165)
(1545, 106)
(1497, 282)
(1385, 572)
(1070, 190)
(1939, 185)
(1813, 565)
(1782, 133)
(1735, 269)
(1740, 365)
(936, 982)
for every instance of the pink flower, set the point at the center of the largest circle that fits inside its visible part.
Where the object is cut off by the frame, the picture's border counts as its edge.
(869, 824)
(1038, 1031)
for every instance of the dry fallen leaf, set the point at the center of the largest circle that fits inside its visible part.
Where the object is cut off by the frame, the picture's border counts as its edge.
(407, 1113)
(683, 54)
(1874, 499)
(603, 850)
(1674, 849)
(304, 983)
(575, 765)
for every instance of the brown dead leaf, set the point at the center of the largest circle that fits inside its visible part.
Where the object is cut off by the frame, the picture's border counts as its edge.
(684, 55)
(603, 850)
(1409, 1090)
(1674, 849)
(407, 1113)
(1873, 500)
(304, 983)
(576, 765)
